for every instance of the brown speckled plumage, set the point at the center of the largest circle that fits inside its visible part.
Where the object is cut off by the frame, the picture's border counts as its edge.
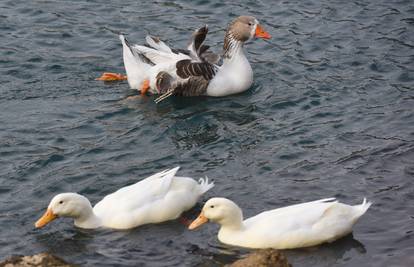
(193, 86)
(196, 75)
(186, 69)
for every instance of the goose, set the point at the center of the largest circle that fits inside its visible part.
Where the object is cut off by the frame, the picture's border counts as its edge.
(301, 225)
(158, 69)
(158, 198)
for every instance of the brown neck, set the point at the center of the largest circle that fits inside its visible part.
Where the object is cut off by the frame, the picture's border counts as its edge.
(231, 44)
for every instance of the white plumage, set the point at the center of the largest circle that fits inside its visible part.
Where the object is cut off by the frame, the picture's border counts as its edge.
(301, 225)
(158, 198)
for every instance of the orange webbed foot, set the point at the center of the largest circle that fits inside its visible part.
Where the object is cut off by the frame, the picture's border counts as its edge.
(145, 87)
(110, 76)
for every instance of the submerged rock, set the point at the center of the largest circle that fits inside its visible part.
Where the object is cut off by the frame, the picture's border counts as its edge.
(263, 258)
(42, 259)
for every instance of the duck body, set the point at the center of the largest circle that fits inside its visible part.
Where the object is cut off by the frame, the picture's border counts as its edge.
(158, 198)
(296, 226)
(152, 200)
(158, 69)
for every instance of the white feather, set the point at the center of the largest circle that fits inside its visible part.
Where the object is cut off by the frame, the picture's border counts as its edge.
(158, 198)
(300, 225)
(159, 56)
(136, 70)
(160, 45)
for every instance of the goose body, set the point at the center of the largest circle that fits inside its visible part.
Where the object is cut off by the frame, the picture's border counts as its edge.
(158, 69)
(158, 198)
(296, 226)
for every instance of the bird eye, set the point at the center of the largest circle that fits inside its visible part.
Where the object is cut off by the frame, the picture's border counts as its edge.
(250, 24)
(212, 206)
(61, 202)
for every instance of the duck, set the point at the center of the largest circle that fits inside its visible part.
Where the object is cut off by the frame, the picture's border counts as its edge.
(157, 69)
(296, 226)
(160, 197)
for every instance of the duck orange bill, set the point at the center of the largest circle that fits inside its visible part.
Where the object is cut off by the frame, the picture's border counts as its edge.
(46, 218)
(261, 33)
(201, 219)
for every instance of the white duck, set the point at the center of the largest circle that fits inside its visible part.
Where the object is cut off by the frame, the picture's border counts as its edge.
(301, 225)
(159, 69)
(158, 198)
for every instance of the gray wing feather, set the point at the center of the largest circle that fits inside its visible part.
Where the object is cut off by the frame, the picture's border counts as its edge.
(137, 54)
(194, 86)
(187, 69)
(198, 51)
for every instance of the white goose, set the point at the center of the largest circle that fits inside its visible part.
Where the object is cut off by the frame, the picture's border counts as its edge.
(159, 69)
(301, 225)
(158, 198)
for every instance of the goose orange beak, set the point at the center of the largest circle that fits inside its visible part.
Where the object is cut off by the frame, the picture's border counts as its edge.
(261, 33)
(46, 218)
(201, 219)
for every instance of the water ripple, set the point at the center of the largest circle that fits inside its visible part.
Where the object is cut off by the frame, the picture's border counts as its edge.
(329, 114)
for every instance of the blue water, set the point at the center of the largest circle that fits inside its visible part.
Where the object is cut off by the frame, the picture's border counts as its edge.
(330, 114)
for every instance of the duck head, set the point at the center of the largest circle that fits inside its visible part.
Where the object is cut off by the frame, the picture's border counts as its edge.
(219, 210)
(65, 205)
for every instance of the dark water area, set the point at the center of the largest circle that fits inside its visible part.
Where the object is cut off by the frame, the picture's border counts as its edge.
(330, 114)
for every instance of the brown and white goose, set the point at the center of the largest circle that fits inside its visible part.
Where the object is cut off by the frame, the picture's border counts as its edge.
(158, 69)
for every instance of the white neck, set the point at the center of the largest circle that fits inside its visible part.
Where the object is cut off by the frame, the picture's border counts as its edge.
(233, 220)
(87, 218)
(235, 225)
(231, 229)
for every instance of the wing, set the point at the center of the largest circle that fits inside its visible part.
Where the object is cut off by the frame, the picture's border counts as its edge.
(136, 54)
(160, 56)
(210, 57)
(193, 82)
(196, 41)
(198, 51)
(294, 217)
(187, 68)
(192, 79)
(194, 86)
(137, 195)
(157, 44)
(156, 51)
(195, 67)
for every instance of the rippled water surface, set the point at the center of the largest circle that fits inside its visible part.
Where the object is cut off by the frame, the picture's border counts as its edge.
(330, 114)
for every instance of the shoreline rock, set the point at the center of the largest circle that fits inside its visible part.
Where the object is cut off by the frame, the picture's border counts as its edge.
(40, 260)
(259, 258)
(262, 258)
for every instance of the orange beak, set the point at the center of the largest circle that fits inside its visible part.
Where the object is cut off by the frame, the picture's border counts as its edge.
(261, 33)
(201, 219)
(46, 218)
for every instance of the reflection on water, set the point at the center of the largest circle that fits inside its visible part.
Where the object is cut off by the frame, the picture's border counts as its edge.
(324, 255)
(327, 254)
(74, 242)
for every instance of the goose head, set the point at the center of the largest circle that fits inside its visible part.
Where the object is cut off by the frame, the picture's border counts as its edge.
(219, 210)
(244, 28)
(65, 205)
